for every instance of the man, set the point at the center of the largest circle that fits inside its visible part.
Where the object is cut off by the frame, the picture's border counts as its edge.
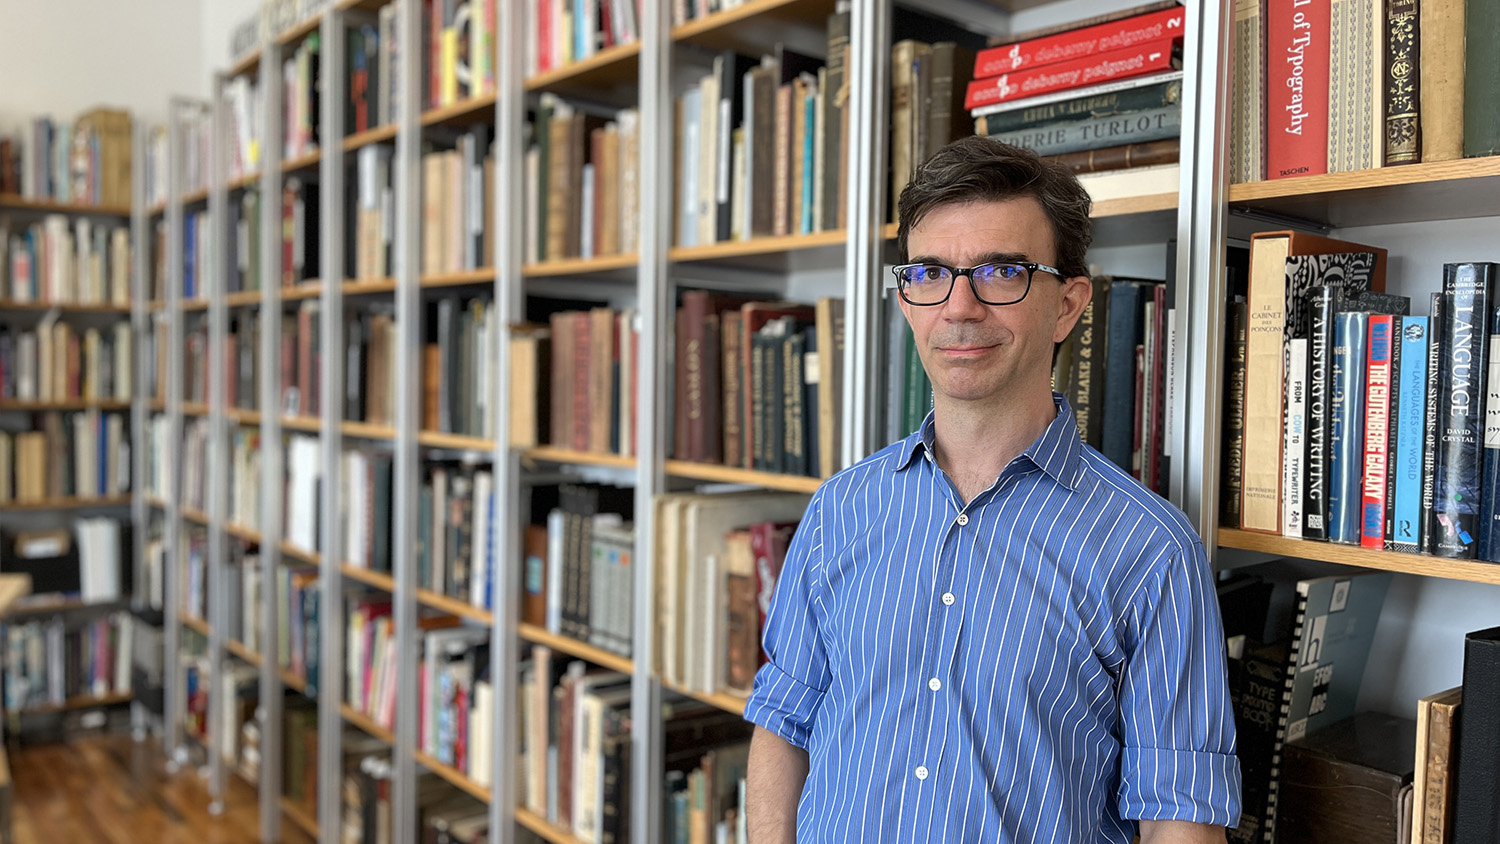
(988, 632)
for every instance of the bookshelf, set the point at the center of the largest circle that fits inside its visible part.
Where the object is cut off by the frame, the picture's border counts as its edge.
(637, 74)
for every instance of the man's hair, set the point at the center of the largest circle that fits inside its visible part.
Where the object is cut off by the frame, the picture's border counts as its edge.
(981, 169)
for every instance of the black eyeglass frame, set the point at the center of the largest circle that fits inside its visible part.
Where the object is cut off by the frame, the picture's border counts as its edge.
(1031, 268)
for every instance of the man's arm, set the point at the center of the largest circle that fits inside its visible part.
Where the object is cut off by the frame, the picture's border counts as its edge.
(1178, 832)
(777, 772)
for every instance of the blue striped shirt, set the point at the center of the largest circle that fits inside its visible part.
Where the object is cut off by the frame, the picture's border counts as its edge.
(1044, 664)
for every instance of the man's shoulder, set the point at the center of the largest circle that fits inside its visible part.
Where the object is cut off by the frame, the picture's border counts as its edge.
(1108, 486)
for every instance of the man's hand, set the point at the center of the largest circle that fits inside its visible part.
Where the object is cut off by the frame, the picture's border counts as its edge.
(777, 772)
(1178, 832)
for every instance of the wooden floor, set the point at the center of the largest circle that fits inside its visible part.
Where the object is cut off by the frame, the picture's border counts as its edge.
(112, 789)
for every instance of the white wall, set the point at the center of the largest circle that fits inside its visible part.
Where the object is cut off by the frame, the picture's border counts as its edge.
(62, 57)
(220, 17)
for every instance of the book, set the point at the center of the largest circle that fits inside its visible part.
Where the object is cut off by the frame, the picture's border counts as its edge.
(1247, 120)
(1154, 95)
(1346, 401)
(1134, 61)
(1231, 469)
(1404, 533)
(1294, 453)
(1355, 65)
(1403, 82)
(1346, 782)
(1297, 93)
(1132, 156)
(1468, 293)
(1476, 815)
(1435, 779)
(1481, 132)
(1379, 342)
(1091, 92)
(1085, 391)
(1276, 288)
(1093, 132)
(1441, 74)
(1080, 43)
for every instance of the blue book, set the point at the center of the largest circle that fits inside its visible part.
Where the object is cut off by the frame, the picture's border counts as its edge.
(1122, 336)
(189, 255)
(1346, 406)
(1456, 495)
(1411, 419)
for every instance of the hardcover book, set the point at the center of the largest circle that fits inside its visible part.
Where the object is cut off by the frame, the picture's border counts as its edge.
(1476, 818)
(1297, 92)
(1080, 43)
(1410, 405)
(1468, 292)
(1134, 61)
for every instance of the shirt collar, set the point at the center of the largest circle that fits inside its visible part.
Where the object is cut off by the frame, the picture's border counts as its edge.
(1058, 451)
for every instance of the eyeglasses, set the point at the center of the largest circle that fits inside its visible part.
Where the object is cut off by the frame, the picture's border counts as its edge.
(998, 283)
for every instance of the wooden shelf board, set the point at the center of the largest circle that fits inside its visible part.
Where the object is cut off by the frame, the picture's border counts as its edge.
(156, 501)
(156, 209)
(366, 287)
(249, 534)
(195, 304)
(157, 406)
(436, 439)
(1127, 205)
(156, 306)
(453, 606)
(299, 817)
(293, 682)
(483, 275)
(366, 431)
(306, 161)
(17, 202)
(1475, 571)
(194, 408)
(197, 625)
(579, 266)
(66, 307)
(368, 577)
(195, 197)
(64, 404)
(306, 556)
(242, 299)
(82, 702)
(245, 64)
(366, 723)
(568, 645)
(242, 416)
(728, 703)
(55, 603)
(757, 246)
(38, 505)
(312, 424)
(539, 825)
(369, 136)
(553, 454)
(368, 5)
(311, 289)
(731, 475)
(193, 514)
(470, 109)
(612, 65)
(13, 587)
(454, 776)
(243, 181)
(734, 28)
(243, 652)
(291, 35)
(1434, 190)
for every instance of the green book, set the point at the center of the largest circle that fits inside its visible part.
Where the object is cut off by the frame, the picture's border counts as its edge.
(1481, 79)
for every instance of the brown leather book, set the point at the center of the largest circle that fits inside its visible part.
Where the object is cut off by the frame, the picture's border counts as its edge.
(1344, 782)
(1121, 157)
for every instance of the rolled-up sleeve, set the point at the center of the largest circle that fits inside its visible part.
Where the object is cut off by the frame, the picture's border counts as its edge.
(1177, 725)
(789, 688)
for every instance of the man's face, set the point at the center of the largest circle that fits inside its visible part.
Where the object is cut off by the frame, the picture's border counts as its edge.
(980, 353)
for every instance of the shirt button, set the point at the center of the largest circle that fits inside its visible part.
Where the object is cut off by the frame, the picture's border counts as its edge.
(948, 598)
(921, 772)
(963, 519)
(934, 684)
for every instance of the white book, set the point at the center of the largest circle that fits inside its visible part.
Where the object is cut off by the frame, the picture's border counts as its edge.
(1133, 182)
(1293, 457)
(554, 570)
(99, 563)
(587, 222)
(480, 558)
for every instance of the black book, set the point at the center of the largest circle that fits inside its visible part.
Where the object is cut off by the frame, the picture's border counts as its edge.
(1436, 344)
(1489, 510)
(1477, 810)
(1468, 289)
(1322, 303)
(811, 407)
(729, 67)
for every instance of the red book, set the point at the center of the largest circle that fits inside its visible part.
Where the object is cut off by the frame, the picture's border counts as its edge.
(1297, 87)
(1377, 430)
(768, 543)
(1079, 73)
(582, 408)
(1166, 24)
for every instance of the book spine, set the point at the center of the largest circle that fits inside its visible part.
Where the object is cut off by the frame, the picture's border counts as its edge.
(1346, 402)
(1234, 421)
(1437, 342)
(1377, 429)
(1476, 817)
(1094, 132)
(1456, 496)
(1393, 432)
(1481, 79)
(1404, 532)
(1084, 389)
(1103, 67)
(1403, 110)
(1322, 307)
(1165, 24)
(1119, 370)
(1297, 34)
(1125, 156)
(1154, 96)
(1294, 451)
(1489, 524)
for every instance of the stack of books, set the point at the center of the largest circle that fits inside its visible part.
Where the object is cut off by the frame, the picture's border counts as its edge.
(1102, 96)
